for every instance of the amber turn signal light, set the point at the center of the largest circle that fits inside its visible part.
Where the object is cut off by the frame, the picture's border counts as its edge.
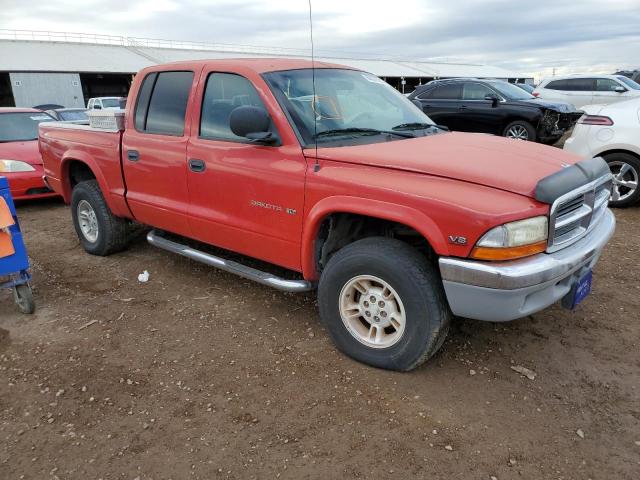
(508, 253)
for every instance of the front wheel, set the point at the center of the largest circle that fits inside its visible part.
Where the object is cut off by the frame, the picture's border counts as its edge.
(626, 172)
(383, 304)
(520, 130)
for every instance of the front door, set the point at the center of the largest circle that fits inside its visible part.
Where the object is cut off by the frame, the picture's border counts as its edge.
(244, 197)
(478, 114)
(605, 92)
(155, 151)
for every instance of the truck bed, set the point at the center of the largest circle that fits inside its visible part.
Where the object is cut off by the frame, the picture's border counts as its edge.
(64, 144)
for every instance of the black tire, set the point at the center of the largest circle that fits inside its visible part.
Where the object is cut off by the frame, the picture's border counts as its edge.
(615, 161)
(417, 284)
(23, 297)
(113, 232)
(531, 132)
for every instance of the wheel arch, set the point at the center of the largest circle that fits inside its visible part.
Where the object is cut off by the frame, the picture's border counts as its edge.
(77, 166)
(612, 151)
(374, 216)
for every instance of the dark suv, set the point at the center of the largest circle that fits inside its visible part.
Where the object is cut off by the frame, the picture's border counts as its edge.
(494, 106)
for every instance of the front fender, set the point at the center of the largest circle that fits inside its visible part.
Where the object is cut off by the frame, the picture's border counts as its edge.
(372, 208)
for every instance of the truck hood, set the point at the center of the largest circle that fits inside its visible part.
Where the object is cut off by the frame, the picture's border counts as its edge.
(24, 151)
(512, 165)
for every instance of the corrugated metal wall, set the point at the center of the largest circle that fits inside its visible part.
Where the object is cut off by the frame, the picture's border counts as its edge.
(30, 89)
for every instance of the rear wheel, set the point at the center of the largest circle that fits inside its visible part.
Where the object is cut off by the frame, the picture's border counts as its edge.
(626, 173)
(100, 231)
(520, 130)
(383, 304)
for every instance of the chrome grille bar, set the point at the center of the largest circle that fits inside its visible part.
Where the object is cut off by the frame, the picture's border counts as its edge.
(575, 213)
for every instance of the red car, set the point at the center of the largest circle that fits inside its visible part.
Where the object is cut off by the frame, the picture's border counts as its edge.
(20, 159)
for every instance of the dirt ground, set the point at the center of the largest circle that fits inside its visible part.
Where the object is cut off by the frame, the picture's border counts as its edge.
(199, 374)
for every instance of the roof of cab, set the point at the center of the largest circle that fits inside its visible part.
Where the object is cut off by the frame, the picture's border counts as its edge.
(19, 110)
(259, 65)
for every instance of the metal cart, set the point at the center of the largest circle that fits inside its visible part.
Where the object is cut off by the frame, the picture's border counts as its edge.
(14, 262)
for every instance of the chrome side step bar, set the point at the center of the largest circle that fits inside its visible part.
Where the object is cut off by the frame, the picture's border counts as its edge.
(157, 240)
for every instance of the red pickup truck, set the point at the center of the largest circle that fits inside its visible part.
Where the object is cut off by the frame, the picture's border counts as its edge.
(333, 175)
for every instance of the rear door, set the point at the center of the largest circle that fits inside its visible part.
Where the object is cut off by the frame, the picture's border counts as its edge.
(442, 104)
(579, 91)
(155, 149)
(244, 197)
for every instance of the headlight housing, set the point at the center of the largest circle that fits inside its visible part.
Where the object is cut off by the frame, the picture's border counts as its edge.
(13, 166)
(513, 240)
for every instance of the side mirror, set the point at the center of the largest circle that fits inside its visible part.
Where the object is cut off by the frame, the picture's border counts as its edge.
(417, 103)
(620, 89)
(97, 107)
(492, 98)
(252, 123)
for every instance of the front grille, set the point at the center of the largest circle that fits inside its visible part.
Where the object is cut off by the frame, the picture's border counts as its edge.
(577, 212)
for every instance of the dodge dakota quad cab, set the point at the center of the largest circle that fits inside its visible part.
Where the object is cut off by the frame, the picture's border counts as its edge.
(340, 182)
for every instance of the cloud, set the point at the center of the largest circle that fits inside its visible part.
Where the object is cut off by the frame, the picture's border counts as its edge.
(533, 38)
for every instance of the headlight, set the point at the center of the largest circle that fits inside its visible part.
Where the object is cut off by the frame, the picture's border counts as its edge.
(513, 240)
(12, 166)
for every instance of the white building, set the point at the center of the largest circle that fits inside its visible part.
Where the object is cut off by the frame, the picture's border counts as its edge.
(69, 68)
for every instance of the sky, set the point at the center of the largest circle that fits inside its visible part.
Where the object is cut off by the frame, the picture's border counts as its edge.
(531, 37)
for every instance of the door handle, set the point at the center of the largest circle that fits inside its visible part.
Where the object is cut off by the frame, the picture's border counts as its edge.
(133, 155)
(462, 107)
(197, 166)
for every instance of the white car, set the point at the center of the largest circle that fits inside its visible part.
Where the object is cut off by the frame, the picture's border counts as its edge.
(106, 103)
(613, 133)
(581, 90)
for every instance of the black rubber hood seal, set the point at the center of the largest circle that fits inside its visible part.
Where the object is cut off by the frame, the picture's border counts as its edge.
(557, 184)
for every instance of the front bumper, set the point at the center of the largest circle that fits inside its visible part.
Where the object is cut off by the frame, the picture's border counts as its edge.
(503, 291)
(29, 185)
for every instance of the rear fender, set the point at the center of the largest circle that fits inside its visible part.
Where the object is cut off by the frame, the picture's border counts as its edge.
(117, 205)
(371, 208)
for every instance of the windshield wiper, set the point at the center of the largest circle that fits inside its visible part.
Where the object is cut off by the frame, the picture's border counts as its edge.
(362, 131)
(418, 126)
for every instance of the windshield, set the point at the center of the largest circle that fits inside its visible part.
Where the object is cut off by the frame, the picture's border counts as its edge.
(358, 103)
(629, 83)
(17, 127)
(111, 102)
(68, 115)
(511, 92)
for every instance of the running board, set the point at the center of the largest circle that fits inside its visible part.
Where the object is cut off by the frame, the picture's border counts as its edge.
(157, 240)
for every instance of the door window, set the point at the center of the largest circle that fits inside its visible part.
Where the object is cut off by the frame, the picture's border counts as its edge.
(162, 103)
(606, 85)
(581, 84)
(223, 93)
(475, 91)
(449, 91)
(557, 85)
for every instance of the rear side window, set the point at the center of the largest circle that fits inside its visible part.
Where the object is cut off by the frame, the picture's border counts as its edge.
(162, 103)
(223, 93)
(557, 85)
